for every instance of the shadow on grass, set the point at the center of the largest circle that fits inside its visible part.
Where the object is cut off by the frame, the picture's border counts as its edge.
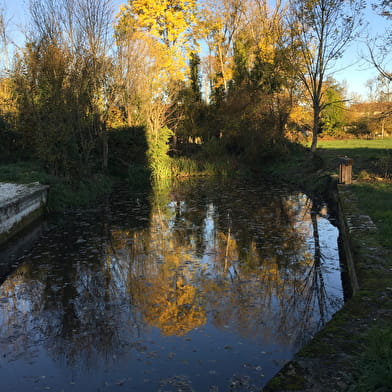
(374, 162)
(375, 365)
(375, 198)
(372, 170)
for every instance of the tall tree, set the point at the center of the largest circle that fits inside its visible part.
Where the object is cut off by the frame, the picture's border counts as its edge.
(221, 21)
(4, 40)
(194, 71)
(170, 22)
(61, 83)
(379, 47)
(321, 30)
(158, 34)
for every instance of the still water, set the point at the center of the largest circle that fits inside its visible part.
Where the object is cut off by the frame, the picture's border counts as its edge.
(204, 285)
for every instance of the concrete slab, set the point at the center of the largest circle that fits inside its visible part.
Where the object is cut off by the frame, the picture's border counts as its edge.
(19, 206)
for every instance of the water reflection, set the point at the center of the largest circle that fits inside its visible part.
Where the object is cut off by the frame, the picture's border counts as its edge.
(205, 284)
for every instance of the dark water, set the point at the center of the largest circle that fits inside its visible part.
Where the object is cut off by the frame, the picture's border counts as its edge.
(208, 285)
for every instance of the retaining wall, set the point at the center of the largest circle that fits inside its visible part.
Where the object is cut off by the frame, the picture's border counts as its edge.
(22, 206)
(329, 362)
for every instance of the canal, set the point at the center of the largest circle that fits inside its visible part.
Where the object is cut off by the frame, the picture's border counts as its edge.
(203, 285)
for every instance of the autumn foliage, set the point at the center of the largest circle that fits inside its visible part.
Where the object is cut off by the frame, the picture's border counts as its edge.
(219, 82)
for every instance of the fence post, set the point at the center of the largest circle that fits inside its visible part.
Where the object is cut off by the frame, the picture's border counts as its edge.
(345, 170)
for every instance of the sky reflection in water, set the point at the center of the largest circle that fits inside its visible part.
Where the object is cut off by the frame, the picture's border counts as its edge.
(207, 285)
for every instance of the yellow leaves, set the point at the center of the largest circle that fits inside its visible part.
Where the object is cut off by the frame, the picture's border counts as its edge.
(6, 98)
(300, 115)
(266, 49)
(167, 20)
(166, 26)
(173, 306)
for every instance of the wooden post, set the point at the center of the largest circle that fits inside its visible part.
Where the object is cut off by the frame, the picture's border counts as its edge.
(345, 170)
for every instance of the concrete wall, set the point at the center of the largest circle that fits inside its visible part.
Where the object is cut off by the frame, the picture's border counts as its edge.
(26, 204)
(329, 361)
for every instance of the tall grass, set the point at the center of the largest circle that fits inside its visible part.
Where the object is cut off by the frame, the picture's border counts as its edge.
(157, 154)
(186, 167)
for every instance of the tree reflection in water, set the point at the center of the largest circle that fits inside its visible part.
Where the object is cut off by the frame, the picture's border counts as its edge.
(255, 265)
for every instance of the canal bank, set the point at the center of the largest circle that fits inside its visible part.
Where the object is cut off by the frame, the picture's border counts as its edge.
(235, 318)
(329, 362)
(20, 205)
(332, 360)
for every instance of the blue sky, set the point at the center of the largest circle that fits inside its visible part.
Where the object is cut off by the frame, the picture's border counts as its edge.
(350, 69)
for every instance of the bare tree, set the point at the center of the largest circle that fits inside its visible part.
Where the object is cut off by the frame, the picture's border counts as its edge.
(4, 41)
(68, 56)
(321, 30)
(221, 21)
(379, 47)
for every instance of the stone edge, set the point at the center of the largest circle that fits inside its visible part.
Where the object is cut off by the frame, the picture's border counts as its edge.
(327, 362)
(29, 217)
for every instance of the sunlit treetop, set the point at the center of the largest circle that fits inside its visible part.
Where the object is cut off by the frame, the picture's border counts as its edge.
(171, 23)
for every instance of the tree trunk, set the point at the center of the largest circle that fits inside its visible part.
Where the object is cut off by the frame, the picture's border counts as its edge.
(105, 149)
(318, 283)
(316, 127)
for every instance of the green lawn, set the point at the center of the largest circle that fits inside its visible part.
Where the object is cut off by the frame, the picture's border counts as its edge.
(372, 174)
(372, 158)
(375, 198)
(350, 144)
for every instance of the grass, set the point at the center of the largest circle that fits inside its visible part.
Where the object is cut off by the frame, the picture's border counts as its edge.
(372, 174)
(356, 143)
(375, 365)
(372, 185)
(376, 199)
(24, 173)
(62, 194)
(372, 158)
(186, 167)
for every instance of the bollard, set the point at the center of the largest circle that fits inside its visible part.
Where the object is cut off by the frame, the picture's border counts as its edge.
(345, 170)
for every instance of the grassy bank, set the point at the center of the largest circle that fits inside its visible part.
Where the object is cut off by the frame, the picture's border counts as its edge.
(372, 187)
(62, 193)
(376, 199)
(353, 352)
(372, 158)
(372, 177)
(356, 346)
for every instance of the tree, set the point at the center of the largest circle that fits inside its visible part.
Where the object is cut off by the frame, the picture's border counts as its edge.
(194, 70)
(321, 29)
(252, 112)
(171, 23)
(380, 89)
(4, 40)
(61, 83)
(379, 47)
(221, 21)
(6, 101)
(190, 109)
(155, 41)
(89, 25)
(333, 116)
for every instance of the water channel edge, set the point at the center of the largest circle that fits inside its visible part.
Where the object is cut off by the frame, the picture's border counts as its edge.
(328, 362)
